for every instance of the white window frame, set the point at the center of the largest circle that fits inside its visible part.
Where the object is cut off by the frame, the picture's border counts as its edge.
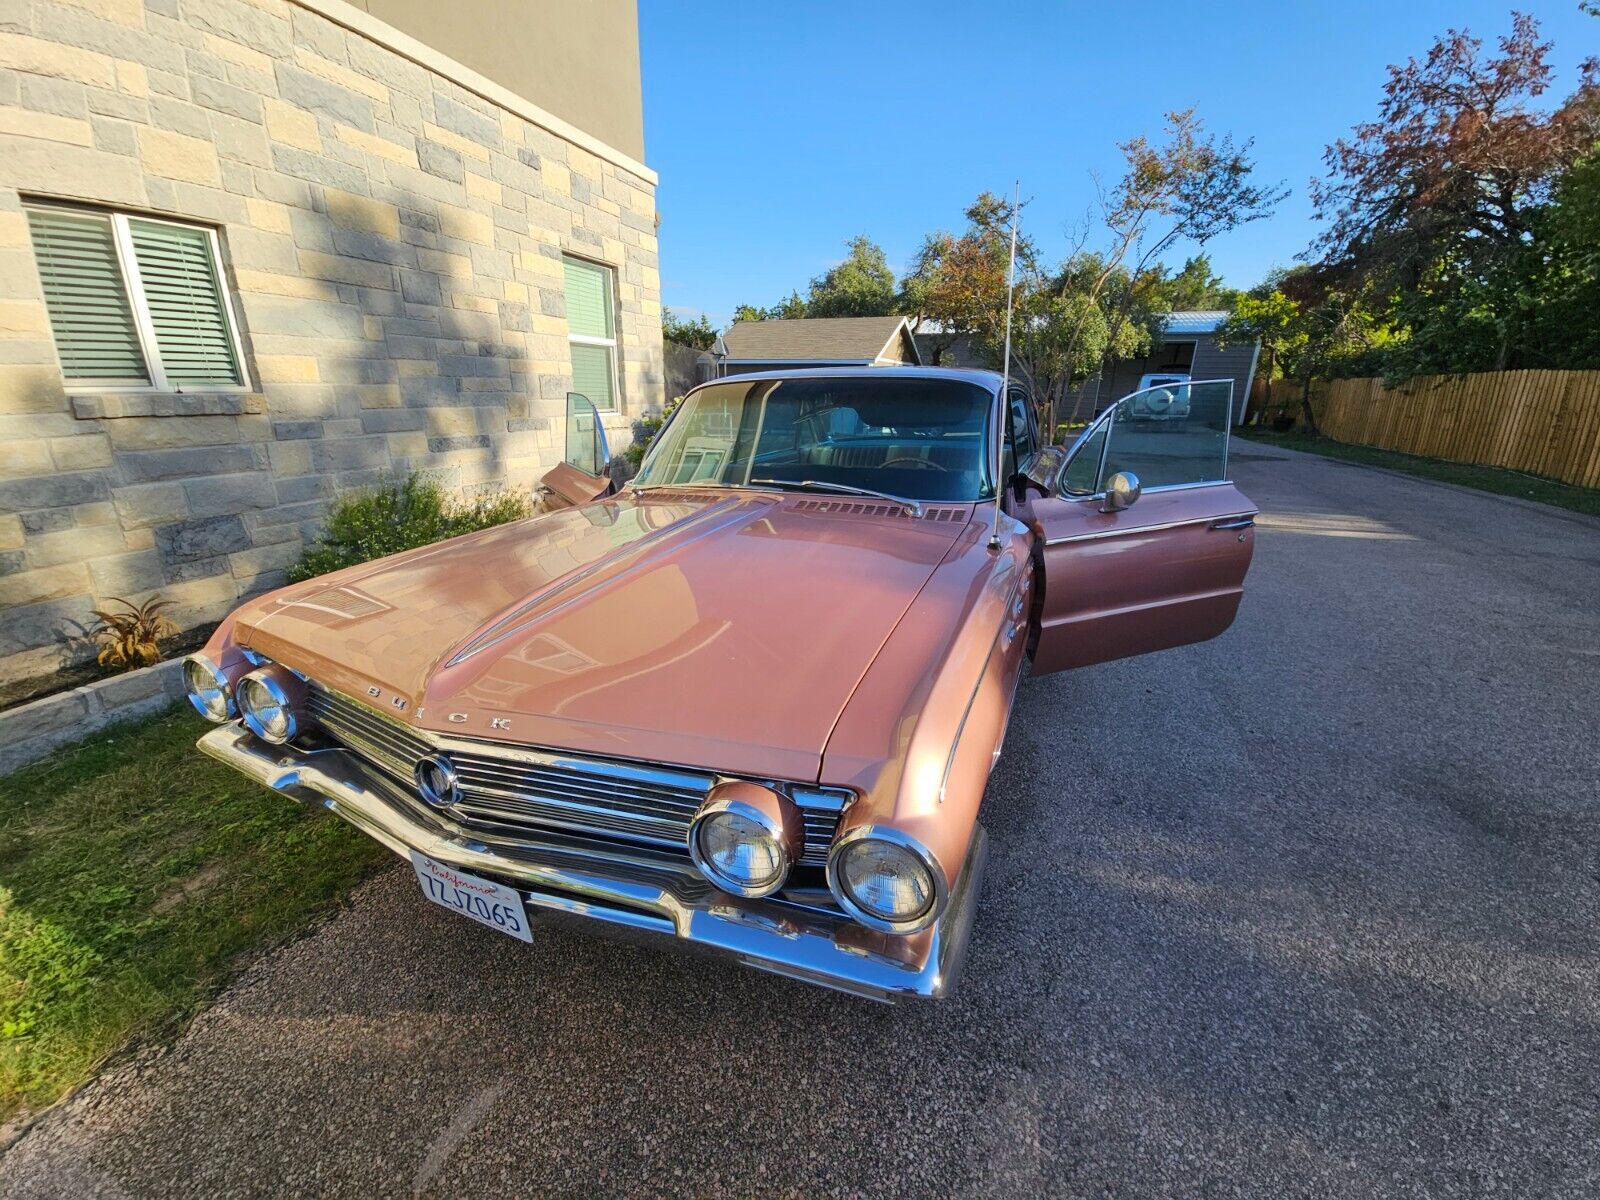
(127, 260)
(610, 343)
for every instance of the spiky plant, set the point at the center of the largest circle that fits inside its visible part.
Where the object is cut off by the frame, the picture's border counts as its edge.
(131, 636)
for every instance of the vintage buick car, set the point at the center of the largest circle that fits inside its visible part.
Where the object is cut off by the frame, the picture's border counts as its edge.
(749, 700)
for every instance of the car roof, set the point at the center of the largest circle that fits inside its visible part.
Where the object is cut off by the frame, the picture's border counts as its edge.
(989, 380)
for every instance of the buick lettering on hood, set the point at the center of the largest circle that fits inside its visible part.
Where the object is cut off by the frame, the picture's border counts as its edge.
(750, 700)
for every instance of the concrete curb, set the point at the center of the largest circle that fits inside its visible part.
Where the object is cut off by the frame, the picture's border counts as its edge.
(30, 731)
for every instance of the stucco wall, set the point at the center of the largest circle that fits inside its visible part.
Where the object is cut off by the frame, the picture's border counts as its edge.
(393, 242)
(577, 58)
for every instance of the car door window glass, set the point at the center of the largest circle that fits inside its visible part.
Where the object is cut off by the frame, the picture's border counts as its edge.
(1172, 435)
(586, 447)
(1082, 474)
(1021, 427)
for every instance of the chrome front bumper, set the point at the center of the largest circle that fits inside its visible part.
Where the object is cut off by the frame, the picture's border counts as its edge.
(647, 891)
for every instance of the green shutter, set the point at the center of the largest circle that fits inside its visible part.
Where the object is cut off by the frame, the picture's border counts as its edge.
(186, 301)
(96, 338)
(592, 375)
(588, 299)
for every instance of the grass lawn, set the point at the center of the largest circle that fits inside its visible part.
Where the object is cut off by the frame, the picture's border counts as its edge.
(1486, 479)
(134, 872)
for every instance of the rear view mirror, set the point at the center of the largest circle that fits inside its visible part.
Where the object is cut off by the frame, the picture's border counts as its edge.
(1122, 489)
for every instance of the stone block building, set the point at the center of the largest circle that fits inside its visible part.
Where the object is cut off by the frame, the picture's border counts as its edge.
(253, 252)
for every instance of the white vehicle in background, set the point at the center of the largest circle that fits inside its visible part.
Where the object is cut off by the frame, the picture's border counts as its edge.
(1163, 396)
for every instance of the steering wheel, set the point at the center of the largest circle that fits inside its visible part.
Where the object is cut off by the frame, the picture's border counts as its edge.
(923, 464)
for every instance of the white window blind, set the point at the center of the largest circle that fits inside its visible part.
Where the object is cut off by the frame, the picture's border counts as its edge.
(96, 336)
(186, 304)
(591, 324)
(135, 302)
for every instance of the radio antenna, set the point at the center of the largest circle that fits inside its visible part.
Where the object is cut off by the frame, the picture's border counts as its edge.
(1005, 371)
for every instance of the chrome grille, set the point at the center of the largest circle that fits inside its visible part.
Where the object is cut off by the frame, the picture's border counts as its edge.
(516, 789)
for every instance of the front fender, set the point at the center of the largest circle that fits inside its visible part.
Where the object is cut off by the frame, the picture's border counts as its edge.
(919, 735)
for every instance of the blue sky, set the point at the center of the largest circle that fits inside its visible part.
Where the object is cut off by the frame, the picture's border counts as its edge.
(780, 128)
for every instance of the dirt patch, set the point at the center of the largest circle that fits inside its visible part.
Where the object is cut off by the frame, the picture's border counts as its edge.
(184, 888)
(36, 687)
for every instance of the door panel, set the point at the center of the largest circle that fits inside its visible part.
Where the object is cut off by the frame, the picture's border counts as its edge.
(582, 475)
(1153, 576)
(1166, 571)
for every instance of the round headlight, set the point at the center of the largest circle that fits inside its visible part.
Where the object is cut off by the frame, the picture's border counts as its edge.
(268, 703)
(739, 854)
(207, 688)
(745, 837)
(886, 881)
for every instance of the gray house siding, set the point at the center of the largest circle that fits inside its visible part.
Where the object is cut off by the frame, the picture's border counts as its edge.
(1212, 361)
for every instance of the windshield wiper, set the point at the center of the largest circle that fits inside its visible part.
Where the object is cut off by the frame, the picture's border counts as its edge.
(913, 507)
(699, 486)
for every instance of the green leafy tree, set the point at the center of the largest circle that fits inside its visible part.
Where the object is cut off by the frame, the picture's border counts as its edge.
(1308, 329)
(860, 286)
(748, 312)
(792, 309)
(698, 333)
(1067, 323)
(1560, 320)
(1196, 286)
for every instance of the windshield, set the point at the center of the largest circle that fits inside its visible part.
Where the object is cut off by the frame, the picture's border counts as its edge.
(915, 437)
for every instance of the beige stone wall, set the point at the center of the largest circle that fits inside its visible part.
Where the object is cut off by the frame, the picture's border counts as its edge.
(393, 242)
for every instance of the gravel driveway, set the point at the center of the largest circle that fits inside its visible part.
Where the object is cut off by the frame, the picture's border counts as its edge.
(1310, 910)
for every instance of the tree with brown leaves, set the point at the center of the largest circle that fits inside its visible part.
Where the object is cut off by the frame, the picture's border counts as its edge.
(1438, 197)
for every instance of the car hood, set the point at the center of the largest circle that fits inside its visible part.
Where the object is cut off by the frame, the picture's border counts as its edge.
(722, 630)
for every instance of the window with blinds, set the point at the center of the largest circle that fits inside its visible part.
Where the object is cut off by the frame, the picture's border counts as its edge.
(592, 331)
(135, 302)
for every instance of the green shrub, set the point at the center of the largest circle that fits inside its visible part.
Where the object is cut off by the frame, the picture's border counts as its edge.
(644, 432)
(400, 516)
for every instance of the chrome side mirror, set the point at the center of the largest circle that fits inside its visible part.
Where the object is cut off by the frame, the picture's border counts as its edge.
(1045, 469)
(1122, 489)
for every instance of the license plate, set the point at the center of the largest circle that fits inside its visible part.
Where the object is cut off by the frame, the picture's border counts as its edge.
(481, 900)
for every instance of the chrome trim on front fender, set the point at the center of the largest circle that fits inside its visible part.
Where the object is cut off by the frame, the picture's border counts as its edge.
(644, 891)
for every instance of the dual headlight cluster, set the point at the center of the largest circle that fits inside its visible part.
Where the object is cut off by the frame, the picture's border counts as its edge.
(746, 837)
(271, 699)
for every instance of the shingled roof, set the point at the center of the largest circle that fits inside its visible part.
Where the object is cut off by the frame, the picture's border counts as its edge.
(818, 339)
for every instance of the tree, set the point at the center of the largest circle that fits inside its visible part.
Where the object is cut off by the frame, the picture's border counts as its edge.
(860, 286)
(788, 310)
(958, 284)
(792, 309)
(1308, 328)
(1196, 286)
(697, 333)
(1436, 201)
(1066, 326)
(1192, 186)
(1559, 326)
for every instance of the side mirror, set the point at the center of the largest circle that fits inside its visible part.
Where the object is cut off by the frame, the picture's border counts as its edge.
(1045, 470)
(1122, 489)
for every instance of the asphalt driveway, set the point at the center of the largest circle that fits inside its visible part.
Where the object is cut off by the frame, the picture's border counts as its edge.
(1311, 910)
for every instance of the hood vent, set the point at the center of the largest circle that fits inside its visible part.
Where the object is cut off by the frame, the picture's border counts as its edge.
(691, 495)
(872, 508)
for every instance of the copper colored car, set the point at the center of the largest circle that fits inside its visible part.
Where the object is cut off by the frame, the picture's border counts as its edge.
(750, 700)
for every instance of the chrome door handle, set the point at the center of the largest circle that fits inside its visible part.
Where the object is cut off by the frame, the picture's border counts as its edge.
(1233, 523)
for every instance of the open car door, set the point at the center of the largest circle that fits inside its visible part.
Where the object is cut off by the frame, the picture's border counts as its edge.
(581, 475)
(1144, 542)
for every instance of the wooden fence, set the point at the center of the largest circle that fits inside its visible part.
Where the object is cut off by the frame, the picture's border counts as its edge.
(1543, 422)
